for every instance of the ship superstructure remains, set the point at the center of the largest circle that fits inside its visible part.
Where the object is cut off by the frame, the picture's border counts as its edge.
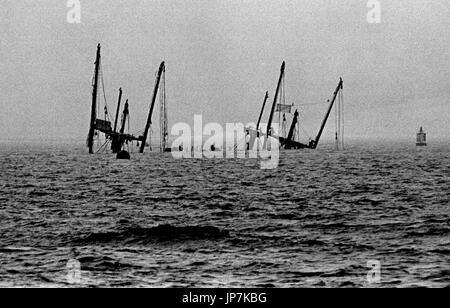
(116, 135)
(289, 138)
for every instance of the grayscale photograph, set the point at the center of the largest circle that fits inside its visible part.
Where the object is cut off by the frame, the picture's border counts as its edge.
(225, 145)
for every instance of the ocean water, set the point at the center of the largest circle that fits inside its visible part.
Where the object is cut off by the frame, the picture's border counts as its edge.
(319, 220)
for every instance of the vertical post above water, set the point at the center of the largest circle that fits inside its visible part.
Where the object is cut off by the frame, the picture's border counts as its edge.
(290, 136)
(124, 117)
(90, 141)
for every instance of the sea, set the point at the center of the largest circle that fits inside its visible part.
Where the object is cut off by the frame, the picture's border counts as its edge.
(372, 215)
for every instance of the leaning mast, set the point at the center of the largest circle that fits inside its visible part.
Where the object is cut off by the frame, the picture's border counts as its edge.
(261, 114)
(269, 124)
(149, 119)
(90, 141)
(338, 88)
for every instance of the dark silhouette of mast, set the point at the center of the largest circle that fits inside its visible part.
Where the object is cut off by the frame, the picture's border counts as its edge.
(261, 114)
(269, 124)
(290, 136)
(118, 109)
(90, 141)
(124, 118)
(339, 87)
(149, 119)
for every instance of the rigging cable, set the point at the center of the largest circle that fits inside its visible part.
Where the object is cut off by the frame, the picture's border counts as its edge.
(104, 92)
(336, 123)
(339, 119)
(128, 126)
(103, 147)
(304, 131)
(308, 104)
(343, 115)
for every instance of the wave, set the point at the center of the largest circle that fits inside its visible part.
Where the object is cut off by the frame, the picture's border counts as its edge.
(13, 249)
(160, 233)
(102, 263)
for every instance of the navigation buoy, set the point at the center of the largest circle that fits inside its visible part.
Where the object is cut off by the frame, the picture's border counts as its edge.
(123, 155)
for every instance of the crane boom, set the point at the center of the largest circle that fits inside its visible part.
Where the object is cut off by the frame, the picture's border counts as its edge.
(324, 122)
(261, 114)
(149, 119)
(269, 124)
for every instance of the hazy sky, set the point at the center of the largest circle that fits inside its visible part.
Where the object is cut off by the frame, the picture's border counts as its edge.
(221, 57)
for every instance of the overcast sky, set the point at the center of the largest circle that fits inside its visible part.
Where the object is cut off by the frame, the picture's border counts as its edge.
(221, 57)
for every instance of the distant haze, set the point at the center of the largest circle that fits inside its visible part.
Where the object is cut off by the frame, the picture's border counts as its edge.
(221, 57)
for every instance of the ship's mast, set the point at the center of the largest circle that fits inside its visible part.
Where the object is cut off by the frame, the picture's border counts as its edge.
(269, 124)
(90, 141)
(118, 109)
(124, 118)
(261, 114)
(149, 119)
(338, 88)
(163, 113)
(290, 136)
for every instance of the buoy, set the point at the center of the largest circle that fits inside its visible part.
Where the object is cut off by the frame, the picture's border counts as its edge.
(123, 155)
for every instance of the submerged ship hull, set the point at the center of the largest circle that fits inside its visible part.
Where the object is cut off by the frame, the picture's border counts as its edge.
(292, 145)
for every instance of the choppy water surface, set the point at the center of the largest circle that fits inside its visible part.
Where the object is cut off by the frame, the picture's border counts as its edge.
(155, 221)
